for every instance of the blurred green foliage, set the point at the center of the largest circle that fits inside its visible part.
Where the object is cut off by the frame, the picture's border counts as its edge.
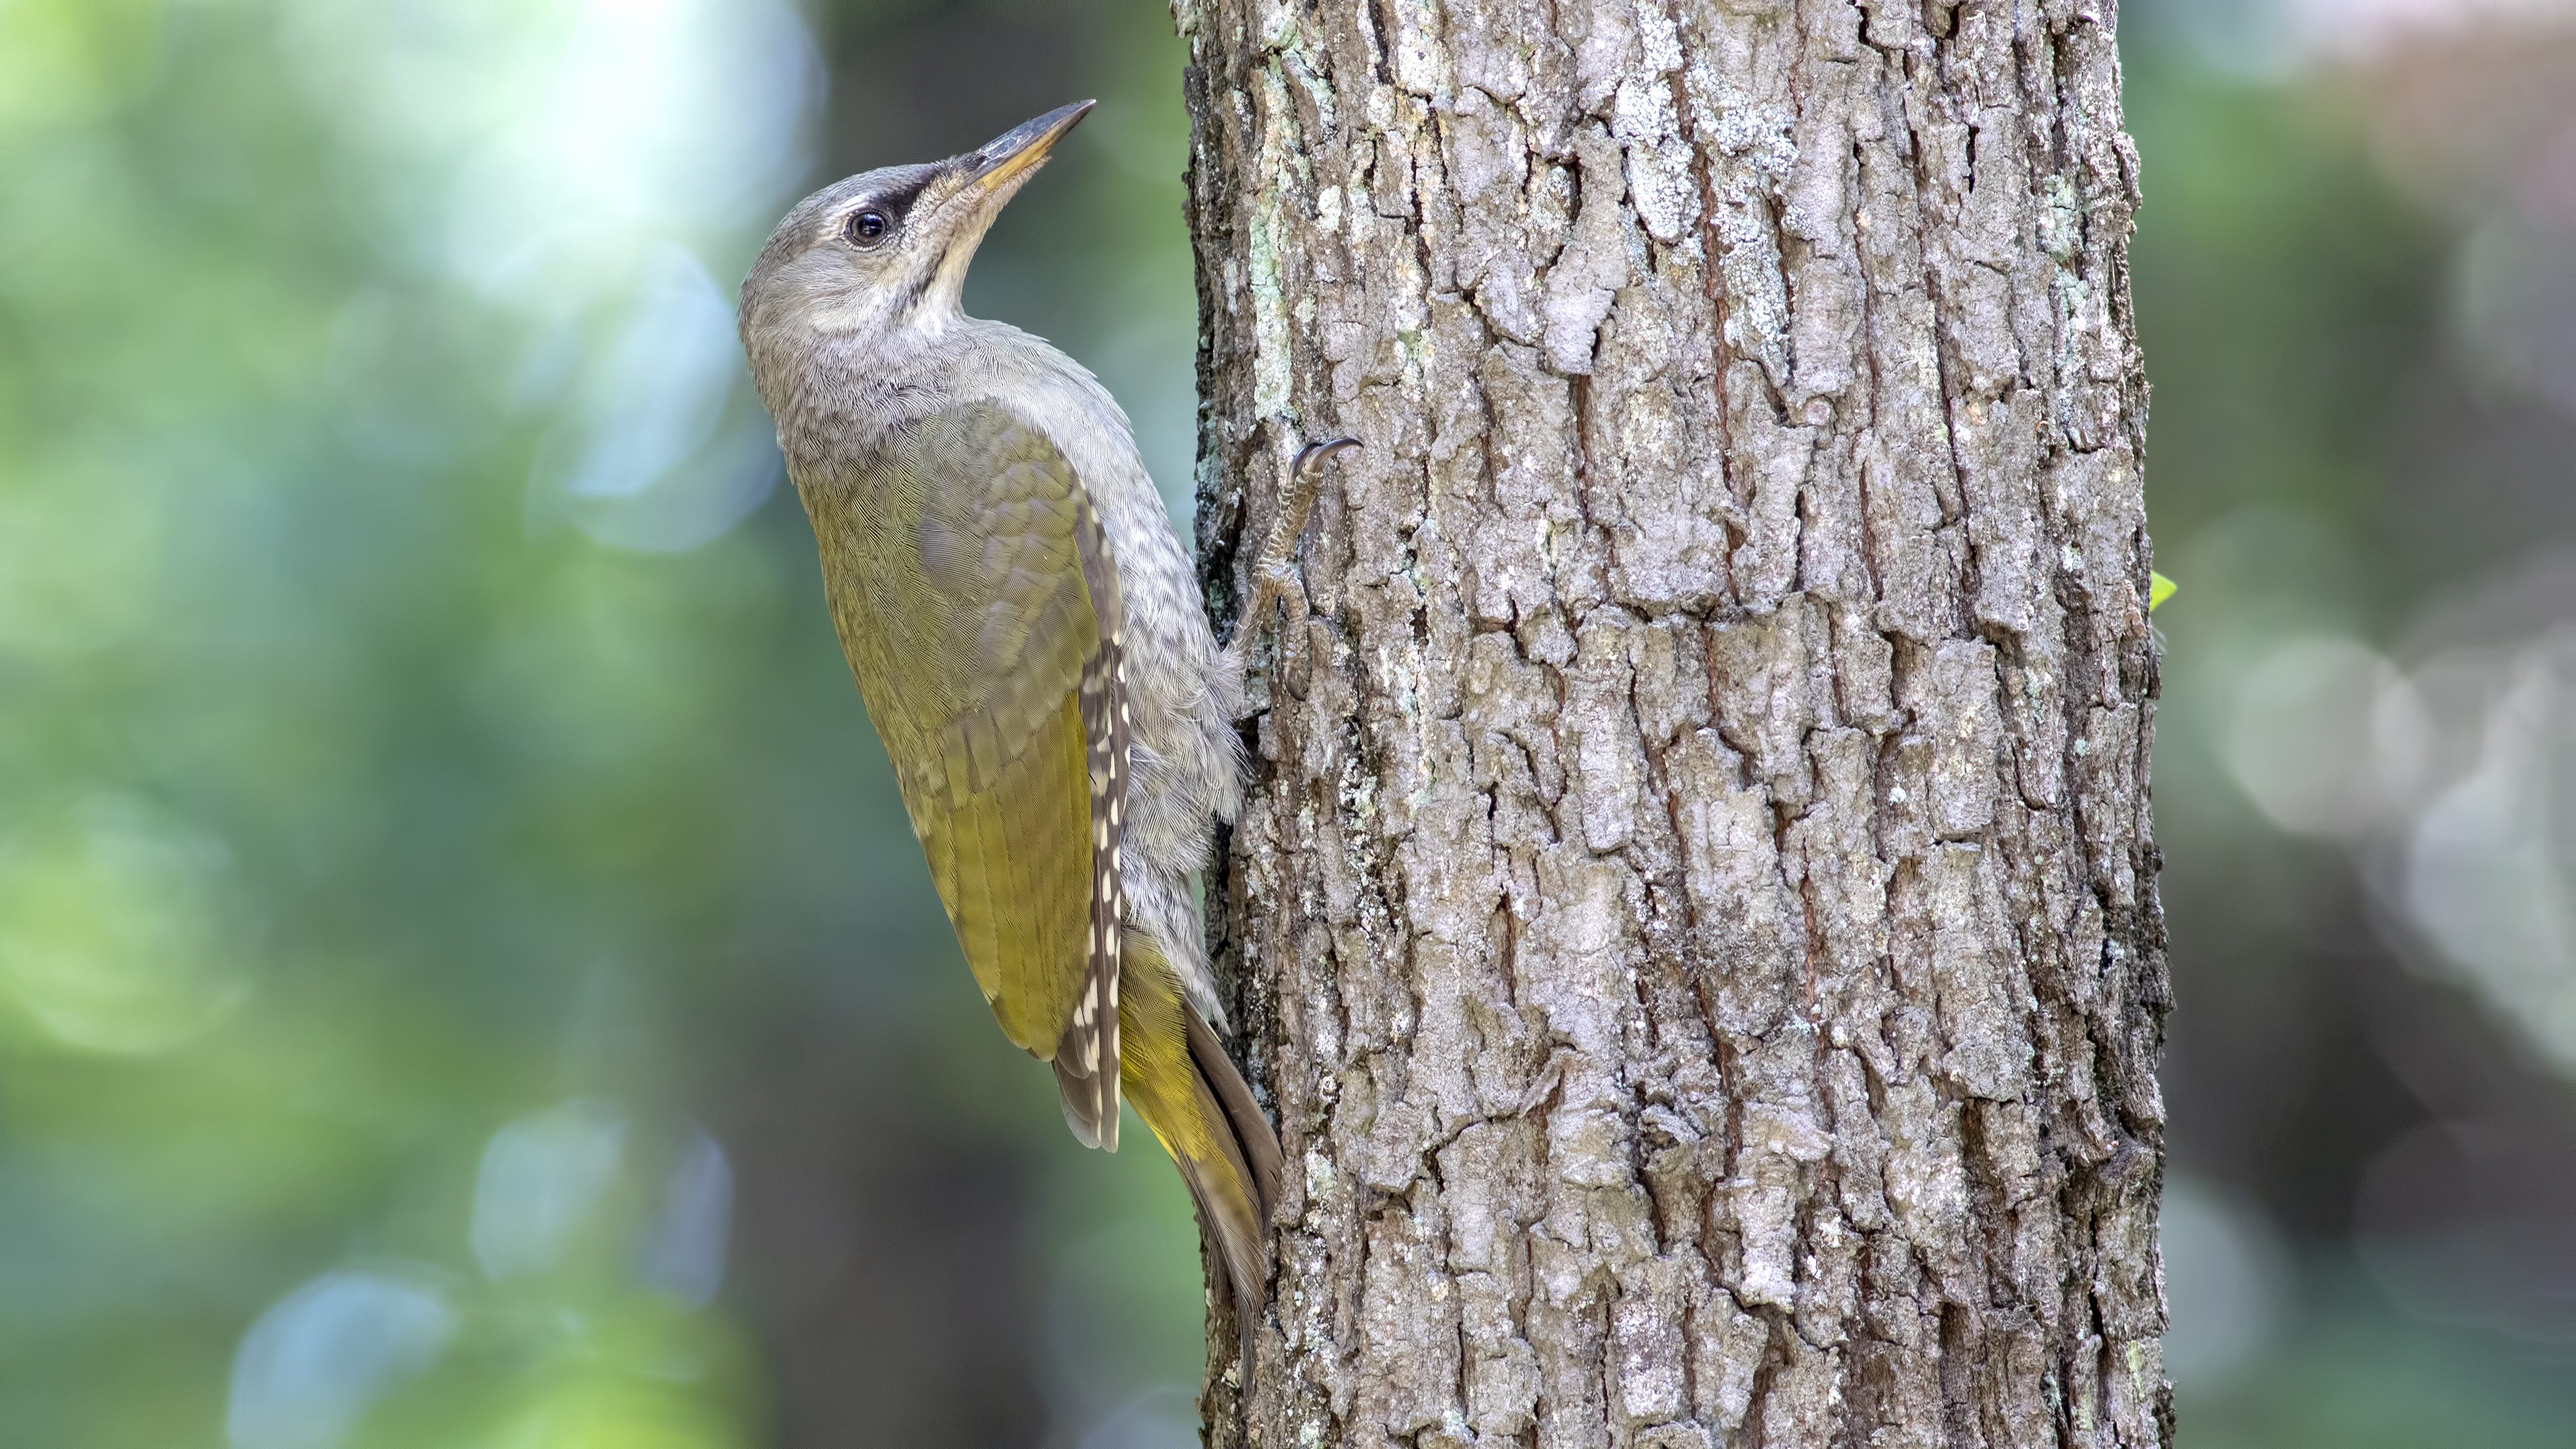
(2322, 464)
(371, 820)
(327, 775)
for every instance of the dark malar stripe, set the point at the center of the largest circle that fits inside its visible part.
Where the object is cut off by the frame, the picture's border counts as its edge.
(920, 289)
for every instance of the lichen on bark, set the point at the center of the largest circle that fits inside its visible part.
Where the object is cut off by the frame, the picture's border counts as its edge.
(1695, 911)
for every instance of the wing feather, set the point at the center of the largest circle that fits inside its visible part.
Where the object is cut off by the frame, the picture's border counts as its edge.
(977, 598)
(1086, 1061)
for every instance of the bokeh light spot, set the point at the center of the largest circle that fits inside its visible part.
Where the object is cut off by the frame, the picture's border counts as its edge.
(310, 1367)
(2325, 736)
(2225, 1282)
(111, 929)
(685, 1255)
(543, 1179)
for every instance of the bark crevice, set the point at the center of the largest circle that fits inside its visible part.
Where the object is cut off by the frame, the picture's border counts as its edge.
(1697, 885)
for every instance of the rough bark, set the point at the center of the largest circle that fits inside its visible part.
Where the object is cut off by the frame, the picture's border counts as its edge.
(1695, 912)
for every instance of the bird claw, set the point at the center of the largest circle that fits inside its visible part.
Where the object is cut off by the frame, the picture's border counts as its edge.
(1271, 576)
(1312, 457)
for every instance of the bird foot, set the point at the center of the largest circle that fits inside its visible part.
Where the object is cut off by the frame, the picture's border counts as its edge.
(1272, 578)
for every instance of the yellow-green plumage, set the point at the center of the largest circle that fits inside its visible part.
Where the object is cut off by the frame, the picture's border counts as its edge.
(966, 620)
(954, 564)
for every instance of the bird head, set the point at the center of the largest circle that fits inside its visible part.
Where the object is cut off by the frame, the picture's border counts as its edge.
(882, 255)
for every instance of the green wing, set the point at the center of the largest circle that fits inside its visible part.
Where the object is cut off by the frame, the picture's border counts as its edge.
(977, 600)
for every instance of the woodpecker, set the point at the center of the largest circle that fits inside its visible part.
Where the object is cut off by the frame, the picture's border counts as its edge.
(1026, 632)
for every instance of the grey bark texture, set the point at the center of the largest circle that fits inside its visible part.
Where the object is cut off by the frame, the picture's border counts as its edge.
(1695, 909)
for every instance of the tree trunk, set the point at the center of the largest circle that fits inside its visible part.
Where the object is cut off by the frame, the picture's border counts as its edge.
(1695, 912)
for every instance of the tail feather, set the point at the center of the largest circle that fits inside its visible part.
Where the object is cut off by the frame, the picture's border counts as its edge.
(1256, 1146)
(1079, 1095)
(1177, 1075)
(1236, 1191)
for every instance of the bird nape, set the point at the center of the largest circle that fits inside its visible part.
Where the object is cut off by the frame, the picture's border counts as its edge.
(1027, 634)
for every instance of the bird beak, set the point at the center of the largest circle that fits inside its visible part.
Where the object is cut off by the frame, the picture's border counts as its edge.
(1015, 153)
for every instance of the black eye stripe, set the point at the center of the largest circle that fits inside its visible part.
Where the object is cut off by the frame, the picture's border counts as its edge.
(873, 218)
(898, 200)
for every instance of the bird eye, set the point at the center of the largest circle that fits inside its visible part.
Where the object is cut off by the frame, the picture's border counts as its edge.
(866, 227)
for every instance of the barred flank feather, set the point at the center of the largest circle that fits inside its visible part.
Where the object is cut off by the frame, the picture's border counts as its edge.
(1087, 1057)
(1086, 1060)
